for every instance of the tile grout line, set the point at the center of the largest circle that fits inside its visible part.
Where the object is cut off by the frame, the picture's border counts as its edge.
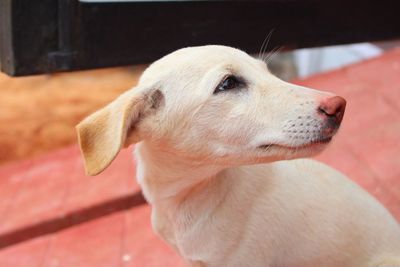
(53, 237)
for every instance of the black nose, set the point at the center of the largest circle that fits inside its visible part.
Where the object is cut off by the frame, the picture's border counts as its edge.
(333, 108)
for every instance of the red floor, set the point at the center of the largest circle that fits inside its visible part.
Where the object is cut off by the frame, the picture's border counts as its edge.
(55, 216)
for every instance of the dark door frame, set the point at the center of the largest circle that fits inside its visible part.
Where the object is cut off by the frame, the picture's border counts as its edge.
(46, 36)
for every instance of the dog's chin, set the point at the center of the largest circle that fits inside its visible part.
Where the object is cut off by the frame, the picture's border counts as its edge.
(308, 149)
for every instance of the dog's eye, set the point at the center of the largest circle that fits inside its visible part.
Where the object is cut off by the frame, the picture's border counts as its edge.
(229, 83)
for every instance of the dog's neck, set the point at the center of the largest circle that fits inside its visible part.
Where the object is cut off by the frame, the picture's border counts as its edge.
(164, 176)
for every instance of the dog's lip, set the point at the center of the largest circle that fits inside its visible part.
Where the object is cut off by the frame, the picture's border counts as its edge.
(320, 141)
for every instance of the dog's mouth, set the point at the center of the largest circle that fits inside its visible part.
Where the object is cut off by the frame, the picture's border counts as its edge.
(311, 144)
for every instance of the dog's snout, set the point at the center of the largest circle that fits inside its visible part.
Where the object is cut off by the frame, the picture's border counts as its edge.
(333, 108)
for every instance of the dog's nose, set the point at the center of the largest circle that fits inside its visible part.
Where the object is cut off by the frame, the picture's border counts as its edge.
(333, 108)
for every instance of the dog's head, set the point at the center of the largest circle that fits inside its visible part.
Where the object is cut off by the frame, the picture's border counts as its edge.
(213, 104)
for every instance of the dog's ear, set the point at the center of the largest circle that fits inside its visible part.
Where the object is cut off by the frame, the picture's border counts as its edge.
(102, 134)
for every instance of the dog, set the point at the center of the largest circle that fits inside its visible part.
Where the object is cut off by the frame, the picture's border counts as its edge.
(219, 142)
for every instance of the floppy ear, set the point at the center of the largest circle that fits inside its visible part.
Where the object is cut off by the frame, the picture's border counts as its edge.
(102, 135)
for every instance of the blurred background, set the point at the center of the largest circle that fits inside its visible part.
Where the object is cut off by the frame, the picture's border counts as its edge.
(62, 60)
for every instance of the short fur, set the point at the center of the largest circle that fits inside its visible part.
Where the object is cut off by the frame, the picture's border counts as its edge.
(221, 170)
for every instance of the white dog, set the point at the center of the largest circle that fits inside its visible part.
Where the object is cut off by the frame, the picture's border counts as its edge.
(202, 118)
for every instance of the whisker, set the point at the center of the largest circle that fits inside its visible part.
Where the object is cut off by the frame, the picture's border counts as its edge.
(273, 53)
(268, 147)
(267, 55)
(265, 43)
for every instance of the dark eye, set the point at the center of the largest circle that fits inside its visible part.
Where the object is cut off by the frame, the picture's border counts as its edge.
(229, 83)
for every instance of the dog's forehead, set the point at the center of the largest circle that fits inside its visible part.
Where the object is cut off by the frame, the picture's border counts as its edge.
(205, 55)
(199, 60)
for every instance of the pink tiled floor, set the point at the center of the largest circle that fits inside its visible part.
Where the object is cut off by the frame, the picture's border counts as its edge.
(55, 185)
(120, 239)
(51, 187)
